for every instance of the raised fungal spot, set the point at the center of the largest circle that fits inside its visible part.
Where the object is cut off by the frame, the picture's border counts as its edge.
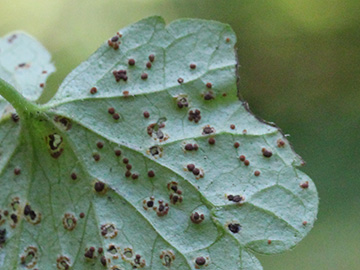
(234, 227)
(14, 219)
(194, 116)
(269, 242)
(17, 171)
(30, 257)
(304, 223)
(192, 66)
(182, 101)
(111, 110)
(135, 176)
(305, 185)
(96, 157)
(144, 76)
(82, 215)
(63, 263)
(31, 216)
(15, 117)
(63, 122)
(236, 145)
(151, 57)
(148, 65)
(180, 80)
(100, 187)
(131, 62)
(108, 231)
(266, 153)
(197, 218)
(115, 42)
(100, 145)
(257, 173)
(42, 85)
(93, 90)
(167, 257)
(69, 221)
(103, 260)
(148, 204)
(242, 158)
(162, 209)
(125, 160)
(73, 176)
(208, 130)
(209, 96)
(116, 116)
(280, 143)
(209, 85)
(191, 147)
(235, 198)
(117, 152)
(89, 253)
(120, 75)
(211, 141)
(2, 236)
(146, 114)
(190, 167)
(232, 126)
(246, 162)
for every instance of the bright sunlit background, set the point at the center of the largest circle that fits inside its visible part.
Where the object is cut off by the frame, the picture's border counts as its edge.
(300, 66)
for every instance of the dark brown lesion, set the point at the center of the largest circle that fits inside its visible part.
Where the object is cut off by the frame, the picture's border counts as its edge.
(55, 143)
(64, 122)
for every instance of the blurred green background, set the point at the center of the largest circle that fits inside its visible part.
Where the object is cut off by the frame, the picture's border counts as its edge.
(300, 66)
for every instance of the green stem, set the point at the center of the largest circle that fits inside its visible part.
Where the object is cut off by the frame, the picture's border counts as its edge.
(18, 101)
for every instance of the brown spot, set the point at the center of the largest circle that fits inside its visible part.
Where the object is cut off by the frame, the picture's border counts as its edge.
(196, 171)
(304, 223)
(146, 114)
(99, 186)
(180, 80)
(69, 221)
(117, 152)
(96, 157)
(305, 185)
(125, 160)
(73, 176)
(42, 85)
(93, 90)
(232, 126)
(125, 93)
(257, 173)
(82, 215)
(148, 65)
(208, 130)
(227, 40)
(100, 145)
(209, 85)
(236, 145)
(111, 110)
(100, 250)
(192, 66)
(242, 158)
(134, 176)
(190, 167)
(17, 171)
(116, 116)
(211, 141)
(280, 143)
(234, 227)
(128, 166)
(182, 102)
(200, 261)
(127, 174)
(151, 57)
(189, 147)
(144, 76)
(131, 62)
(103, 260)
(266, 153)
(90, 253)
(15, 117)
(269, 242)
(209, 96)
(246, 162)
(151, 173)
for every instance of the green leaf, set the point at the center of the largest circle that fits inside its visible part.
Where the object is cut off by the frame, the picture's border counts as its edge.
(167, 170)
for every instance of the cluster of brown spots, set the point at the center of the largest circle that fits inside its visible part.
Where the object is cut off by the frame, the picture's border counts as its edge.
(266, 153)
(146, 114)
(64, 122)
(31, 216)
(161, 209)
(234, 227)
(151, 173)
(167, 257)
(208, 130)
(201, 262)
(151, 57)
(69, 221)
(149, 203)
(93, 90)
(192, 66)
(135, 260)
(236, 145)
(55, 141)
(90, 253)
(197, 218)
(2, 237)
(194, 115)
(100, 187)
(175, 192)
(305, 185)
(17, 171)
(155, 151)
(15, 117)
(191, 147)
(128, 167)
(12, 38)
(108, 231)
(209, 96)
(117, 152)
(73, 176)
(96, 157)
(30, 257)
(180, 80)
(243, 159)
(63, 263)
(236, 198)
(196, 171)
(182, 101)
(211, 140)
(131, 62)
(115, 42)
(257, 173)
(280, 143)
(120, 75)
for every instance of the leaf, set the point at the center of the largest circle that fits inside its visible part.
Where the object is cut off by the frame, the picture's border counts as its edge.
(168, 170)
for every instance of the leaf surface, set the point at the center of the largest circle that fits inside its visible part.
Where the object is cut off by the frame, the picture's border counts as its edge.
(145, 158)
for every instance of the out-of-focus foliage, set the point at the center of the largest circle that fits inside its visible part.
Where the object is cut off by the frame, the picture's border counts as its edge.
(302, 55)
